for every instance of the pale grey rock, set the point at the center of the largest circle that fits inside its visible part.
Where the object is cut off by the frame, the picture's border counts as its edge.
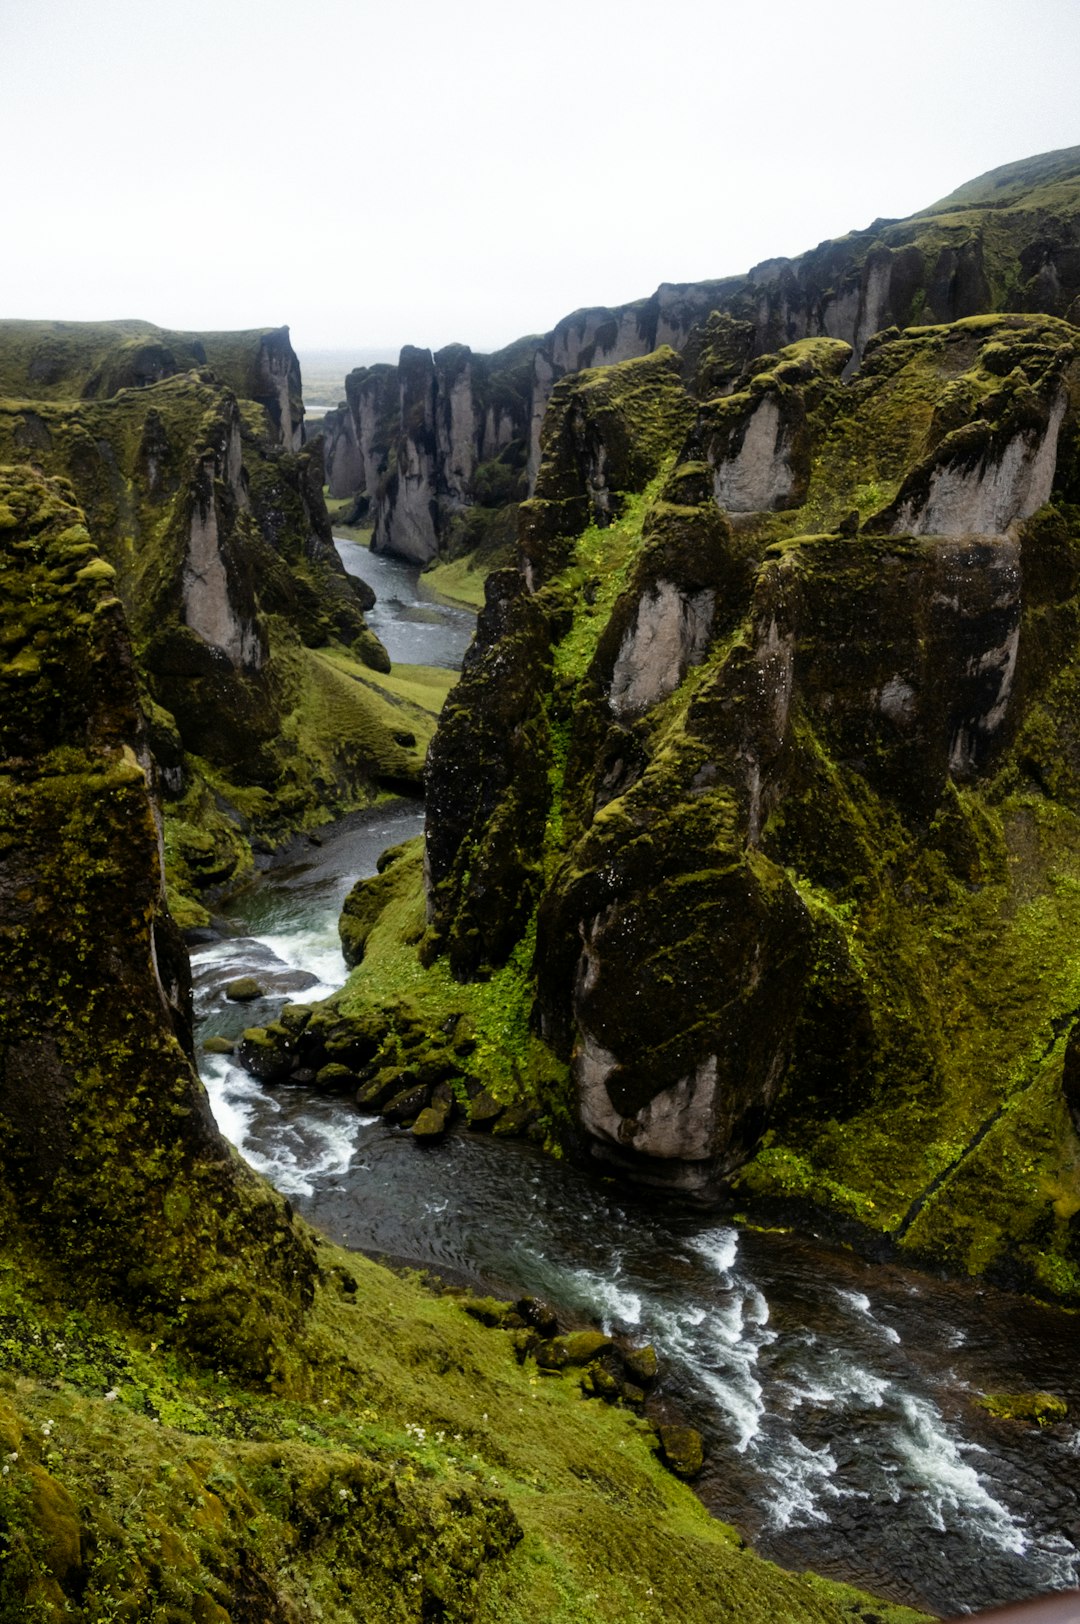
(670, 634)
(205, 585)
(898, 701)
(677, 1125)
(759, 477)
(207, 602)
(989, 496)
(341, 453)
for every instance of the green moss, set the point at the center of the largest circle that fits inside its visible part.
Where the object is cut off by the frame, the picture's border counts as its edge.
(1042, 1408)
(424, 1471)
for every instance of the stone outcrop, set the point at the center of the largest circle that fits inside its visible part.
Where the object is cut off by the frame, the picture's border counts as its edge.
(806, 753)
(1008, 241)
(72, 360)
(108, 1132)
(250, 638)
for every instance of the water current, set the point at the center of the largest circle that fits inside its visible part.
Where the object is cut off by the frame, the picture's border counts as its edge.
(837, 1397)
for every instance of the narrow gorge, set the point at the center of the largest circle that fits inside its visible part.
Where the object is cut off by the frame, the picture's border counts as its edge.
(640, 1041)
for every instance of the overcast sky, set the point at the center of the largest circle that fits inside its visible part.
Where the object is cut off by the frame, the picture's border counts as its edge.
(421, 172)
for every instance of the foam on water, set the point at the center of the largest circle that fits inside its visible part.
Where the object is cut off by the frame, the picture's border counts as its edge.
(719, 1246)
(717, 1348)
(951, 1488)
(304, 1153)
(316, 951)
(843, 1384)
(799, 1479)
(860, 1302)
(738, 1396)
(619, 1308)
(231, 1113)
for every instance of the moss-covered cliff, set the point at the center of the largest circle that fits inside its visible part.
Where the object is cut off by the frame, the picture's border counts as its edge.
(266, 695)
(441, 434)
(206, 1412)
(795, 700)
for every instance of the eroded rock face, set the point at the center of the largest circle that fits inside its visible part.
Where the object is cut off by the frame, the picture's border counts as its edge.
(225, 564)
(487, 784)
(343, 459)
(777, 745)
(277, 386)
(985, 490)
(215, 605)
(108, 1139)
(670, 634)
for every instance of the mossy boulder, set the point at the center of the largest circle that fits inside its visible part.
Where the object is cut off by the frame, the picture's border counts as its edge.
(244, 989)
(430, 1125)
(682, 1450)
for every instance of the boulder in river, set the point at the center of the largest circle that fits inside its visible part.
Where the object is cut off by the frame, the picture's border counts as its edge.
(243, 990)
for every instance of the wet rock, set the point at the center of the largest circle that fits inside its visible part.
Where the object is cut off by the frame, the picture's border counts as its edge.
(641, 1364)
(515, 1121)
(444, 1099)
(539, 1314)
(682, 1450)
(267, 1055)
(430, 1125)
(243, 990)
(218, 1045)
(335, 1079)
(381, 1088)
(407, 1105)
(484, 1110)
(295, 1017)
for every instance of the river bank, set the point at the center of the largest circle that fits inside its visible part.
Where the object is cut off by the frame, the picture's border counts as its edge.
(839, 1399)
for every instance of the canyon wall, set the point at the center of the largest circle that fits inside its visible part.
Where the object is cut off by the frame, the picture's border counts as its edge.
(258, 675)
(1008, 241)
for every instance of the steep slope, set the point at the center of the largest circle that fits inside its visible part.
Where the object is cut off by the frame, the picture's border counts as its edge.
(758, 801)
(259, 676)
(81, 360)
(1009, 240)
(206, 1413)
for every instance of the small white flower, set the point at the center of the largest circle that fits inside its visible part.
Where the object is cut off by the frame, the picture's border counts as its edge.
(343, 1494)
(112, 1394)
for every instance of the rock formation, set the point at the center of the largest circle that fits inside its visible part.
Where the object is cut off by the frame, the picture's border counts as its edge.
(208, 1412)
(257, 670)
(1007, 241)
(762, 793)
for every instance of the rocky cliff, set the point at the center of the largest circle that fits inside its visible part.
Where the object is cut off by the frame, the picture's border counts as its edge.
(1008, 241)
(207, 1413)
(258, 675)
(77, 360)
(757, 801)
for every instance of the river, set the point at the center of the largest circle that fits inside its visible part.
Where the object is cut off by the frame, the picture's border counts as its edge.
(836, 1397)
